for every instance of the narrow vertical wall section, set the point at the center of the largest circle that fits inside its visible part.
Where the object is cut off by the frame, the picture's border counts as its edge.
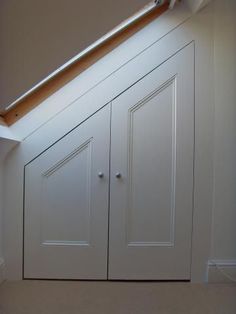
(223, 248)
(1, 225)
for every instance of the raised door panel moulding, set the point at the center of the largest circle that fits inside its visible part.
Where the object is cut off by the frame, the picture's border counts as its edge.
(156, 229)
(60, 177)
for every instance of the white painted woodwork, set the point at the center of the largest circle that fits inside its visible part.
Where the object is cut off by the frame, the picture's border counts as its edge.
(152, 148)
(66, 192)
(66, 205)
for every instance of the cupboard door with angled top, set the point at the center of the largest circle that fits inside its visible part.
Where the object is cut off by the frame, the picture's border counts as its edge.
(152, 136)
(66, 205)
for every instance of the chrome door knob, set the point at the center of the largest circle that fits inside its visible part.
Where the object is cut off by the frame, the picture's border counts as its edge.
(118, 175)
(100, 174)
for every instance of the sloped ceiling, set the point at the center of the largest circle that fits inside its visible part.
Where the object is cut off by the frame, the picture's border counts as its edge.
(37, 37)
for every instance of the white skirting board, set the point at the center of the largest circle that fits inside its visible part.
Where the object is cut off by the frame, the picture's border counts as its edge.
(221, 271)
(2, 270)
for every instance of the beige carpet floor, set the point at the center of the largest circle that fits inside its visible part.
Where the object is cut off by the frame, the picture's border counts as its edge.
(61, 297)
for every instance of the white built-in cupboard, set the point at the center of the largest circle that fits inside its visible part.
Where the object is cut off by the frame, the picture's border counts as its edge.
(112, 199)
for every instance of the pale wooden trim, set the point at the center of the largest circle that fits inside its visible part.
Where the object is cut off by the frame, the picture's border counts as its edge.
(62, 78)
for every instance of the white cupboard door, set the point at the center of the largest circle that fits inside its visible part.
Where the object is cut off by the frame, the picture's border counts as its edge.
(152, 136)
(66, 205)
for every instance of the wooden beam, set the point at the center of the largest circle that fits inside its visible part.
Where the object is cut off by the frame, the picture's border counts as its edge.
(39, 95)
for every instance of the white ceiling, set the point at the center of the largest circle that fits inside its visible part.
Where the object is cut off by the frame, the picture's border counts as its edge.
(37, 37)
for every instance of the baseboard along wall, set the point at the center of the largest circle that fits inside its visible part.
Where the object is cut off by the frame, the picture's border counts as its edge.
(223, 271)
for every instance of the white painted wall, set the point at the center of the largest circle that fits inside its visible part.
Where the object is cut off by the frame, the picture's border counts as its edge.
(1, 225)
(1, 212)
(224, 197)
